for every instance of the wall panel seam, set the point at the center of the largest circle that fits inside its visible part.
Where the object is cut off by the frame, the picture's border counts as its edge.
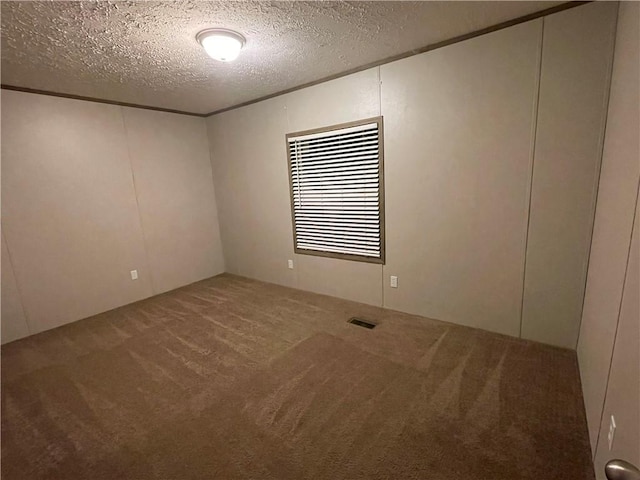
(615, 336)
(224, 155)
(154, 290)
(534, 133)
(595, 189)
(215, 196)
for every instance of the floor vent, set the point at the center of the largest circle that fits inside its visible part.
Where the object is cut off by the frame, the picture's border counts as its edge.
(362, 323)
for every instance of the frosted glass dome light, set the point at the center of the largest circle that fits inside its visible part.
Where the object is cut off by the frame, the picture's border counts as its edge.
(221, 44)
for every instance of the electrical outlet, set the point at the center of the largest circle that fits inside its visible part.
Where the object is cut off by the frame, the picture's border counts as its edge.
(612, 431)
(290, 264)
(394, 281)
(134, 274)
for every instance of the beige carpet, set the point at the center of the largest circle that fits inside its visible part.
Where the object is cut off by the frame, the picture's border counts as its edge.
(232, 378)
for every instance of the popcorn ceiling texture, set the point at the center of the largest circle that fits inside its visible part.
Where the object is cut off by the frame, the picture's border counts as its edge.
(146, 52)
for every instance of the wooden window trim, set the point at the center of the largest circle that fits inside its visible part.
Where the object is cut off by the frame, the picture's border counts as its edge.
(343, 256)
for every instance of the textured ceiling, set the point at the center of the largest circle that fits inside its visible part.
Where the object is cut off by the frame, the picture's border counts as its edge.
(145, 52)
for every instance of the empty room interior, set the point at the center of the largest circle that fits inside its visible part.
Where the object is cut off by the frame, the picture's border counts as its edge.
(333, 240)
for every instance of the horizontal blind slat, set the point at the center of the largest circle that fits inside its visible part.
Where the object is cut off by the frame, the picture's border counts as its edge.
(335, 241)
(345, 151)
(328, 159)
(354, 144)
(311, 232)
(332, 138)
(334, 188)
(342, 132)
(322, 244)
(346, 225)
(370, 233)
(343, 177)
(370, 210)
(342, 225)
(369, 161)
(336, 217)
(372, 193)
(334, 249)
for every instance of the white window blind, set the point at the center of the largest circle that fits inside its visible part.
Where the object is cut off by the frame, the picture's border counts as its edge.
(337, 191)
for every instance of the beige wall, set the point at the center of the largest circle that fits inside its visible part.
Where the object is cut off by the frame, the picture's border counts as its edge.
(248, 153)
(70, 211)
(623, 389)
(458, 143)
(69, 208)
(613, 222)
(252, 191)
(460, 124)
(576, 64)
(349, 98)
(174, 187)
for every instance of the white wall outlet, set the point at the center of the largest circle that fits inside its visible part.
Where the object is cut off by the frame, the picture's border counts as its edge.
(394, 281)
(134, 274)
(612, 431)
(290, 264)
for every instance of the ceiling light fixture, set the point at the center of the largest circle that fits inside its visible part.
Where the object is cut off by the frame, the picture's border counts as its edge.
(221, 44)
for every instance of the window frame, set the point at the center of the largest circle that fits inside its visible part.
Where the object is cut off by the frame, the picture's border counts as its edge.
(343, 256)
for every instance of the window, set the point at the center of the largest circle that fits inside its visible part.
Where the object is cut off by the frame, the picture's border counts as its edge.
(337, 191)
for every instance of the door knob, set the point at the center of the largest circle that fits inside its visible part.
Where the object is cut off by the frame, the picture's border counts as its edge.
(621, 470)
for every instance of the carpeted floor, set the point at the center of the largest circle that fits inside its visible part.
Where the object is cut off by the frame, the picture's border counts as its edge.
(231, 378)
